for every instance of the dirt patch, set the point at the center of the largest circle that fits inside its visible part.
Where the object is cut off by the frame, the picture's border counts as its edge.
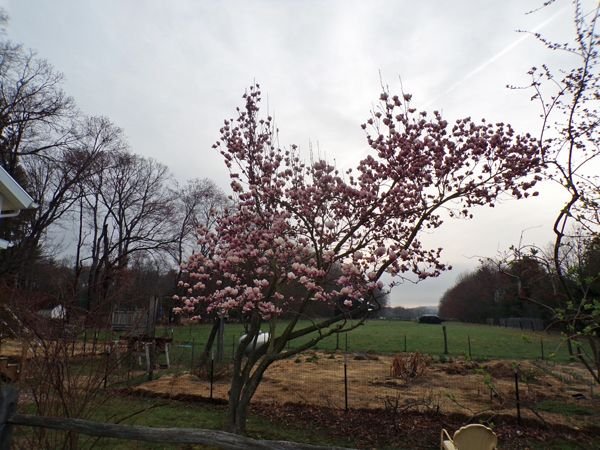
(457, 387)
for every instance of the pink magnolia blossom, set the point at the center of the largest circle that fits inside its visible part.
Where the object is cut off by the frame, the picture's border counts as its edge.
(300, 232)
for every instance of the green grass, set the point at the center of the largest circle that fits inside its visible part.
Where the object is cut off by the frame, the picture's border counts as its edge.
(176, 414)
(387, 337)
(565, 409)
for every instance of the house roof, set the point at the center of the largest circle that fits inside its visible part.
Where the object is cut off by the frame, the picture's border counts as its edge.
(13, 197)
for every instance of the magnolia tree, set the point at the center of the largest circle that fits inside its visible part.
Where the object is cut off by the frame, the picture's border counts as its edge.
(301, 233)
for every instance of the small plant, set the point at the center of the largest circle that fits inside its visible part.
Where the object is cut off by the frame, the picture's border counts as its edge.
(312, 358)
(428, 403)
(445, 359)
(409, 367)
(488, 381)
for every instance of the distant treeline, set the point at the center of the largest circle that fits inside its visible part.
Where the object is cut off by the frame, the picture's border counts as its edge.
(400, 313)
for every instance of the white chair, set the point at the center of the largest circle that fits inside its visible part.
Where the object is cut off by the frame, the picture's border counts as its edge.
(470, 437)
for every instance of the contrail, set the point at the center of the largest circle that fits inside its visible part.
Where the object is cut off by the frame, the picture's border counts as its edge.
(497, 56)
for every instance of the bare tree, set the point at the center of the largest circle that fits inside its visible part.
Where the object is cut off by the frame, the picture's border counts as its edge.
(199, 204)
(35, 113)
(568, 100)
(128, 209)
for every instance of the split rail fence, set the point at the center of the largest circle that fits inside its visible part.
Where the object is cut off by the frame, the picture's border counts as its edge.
(9, 419)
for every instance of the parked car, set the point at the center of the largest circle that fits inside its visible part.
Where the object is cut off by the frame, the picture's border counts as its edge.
(430, 318)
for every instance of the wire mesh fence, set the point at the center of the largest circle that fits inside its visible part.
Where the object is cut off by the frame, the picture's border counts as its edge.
(351, 379)
(342, 374)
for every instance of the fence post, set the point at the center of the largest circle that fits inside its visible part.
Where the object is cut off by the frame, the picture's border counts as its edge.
(107, 361)
(346, 374)
(212, 373)
(445, 340)
(570, 348)
(8, 406)
(542, 347)
(405, 344)
(95, 342)
(517, 397)
(469, 342)
(192, 357)
(167, 357)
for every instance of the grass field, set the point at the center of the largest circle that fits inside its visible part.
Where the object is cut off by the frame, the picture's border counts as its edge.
(384, 337)
(172, 413)
(387, 337)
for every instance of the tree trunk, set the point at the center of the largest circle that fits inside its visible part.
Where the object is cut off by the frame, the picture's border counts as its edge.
(205, 356)
(243, 388)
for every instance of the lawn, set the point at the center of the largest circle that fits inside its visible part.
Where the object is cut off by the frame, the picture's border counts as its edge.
(388, 337)
(355, 428)
(176, 414)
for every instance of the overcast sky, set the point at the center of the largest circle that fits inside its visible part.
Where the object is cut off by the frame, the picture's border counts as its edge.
(169, 72)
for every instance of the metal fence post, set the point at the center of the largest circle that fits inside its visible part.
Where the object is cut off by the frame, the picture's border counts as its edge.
(192, 357)
(517, 397)
(8, 406)
(445, 340)
(212, 373)
(469, 342)
(346, 374)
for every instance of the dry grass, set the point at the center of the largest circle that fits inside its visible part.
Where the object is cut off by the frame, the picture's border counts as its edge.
(459, 386)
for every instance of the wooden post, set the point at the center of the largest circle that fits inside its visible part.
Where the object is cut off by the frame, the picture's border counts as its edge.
(192, 358)
(8, 406)
(167, 355)
(469, 342)
(542, 347)
(148, 361)
(95, 342)
(445, 340)
(105, 382)
(345, 386)
(570, 348)
(405, 344)
(517, 397)
(24, 352)
(212, 373)
(117, 353)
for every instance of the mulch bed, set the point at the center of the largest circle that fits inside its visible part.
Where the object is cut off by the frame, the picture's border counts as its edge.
(409, 429)
(372, 428)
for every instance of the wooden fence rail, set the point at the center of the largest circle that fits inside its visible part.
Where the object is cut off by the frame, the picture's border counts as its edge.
(221, 439)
